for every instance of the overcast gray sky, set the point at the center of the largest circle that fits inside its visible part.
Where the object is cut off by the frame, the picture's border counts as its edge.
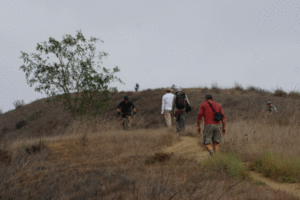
(158, 43)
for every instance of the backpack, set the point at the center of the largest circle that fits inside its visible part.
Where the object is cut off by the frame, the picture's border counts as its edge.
(218, 116)
(180, 101)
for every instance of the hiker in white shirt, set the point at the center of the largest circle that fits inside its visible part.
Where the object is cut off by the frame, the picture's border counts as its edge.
(166, 106)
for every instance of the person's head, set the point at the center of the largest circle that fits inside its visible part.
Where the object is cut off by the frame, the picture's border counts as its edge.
(208, 97)
(179, 89)
(126, 98)
(168, 90)
(269, 103)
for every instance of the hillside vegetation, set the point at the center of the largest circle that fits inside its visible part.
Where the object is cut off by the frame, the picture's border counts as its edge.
(46, 154)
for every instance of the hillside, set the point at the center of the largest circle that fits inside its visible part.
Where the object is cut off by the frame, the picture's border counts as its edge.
(45, 154)
(47, 117)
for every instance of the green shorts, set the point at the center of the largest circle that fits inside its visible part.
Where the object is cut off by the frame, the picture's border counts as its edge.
(212, 132)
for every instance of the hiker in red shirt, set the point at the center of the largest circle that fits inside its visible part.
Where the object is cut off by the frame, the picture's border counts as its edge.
(212, 128)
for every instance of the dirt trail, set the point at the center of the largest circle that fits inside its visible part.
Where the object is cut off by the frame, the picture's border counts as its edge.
(189, 148)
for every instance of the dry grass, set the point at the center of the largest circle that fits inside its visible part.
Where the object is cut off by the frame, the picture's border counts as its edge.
(113, 165)
(56, 157)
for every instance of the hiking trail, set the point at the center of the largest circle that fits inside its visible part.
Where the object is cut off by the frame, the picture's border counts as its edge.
(189, 147)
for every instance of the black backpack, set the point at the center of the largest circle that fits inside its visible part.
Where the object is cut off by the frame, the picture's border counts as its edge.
(180, 101)
(218, 116)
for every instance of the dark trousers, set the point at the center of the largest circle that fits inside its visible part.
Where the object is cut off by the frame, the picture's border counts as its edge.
(180, 120)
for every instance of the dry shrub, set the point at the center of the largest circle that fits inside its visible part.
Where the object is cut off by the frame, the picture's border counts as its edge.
(238, 86)
(19, 103)
(21, 124)
(294, 95)
(4, 157)
(35, 148)
(280, 93)
(157, 157)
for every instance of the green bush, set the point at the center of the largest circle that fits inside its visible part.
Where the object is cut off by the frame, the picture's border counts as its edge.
(277, 167)
(228, 163)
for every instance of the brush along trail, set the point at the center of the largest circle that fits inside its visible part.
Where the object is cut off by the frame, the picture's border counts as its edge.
(190, 147)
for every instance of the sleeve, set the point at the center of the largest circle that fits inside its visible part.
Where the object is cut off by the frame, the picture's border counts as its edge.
(120, 105)
(275, 109)
(221, 111)
(200, 114)
(162, 105)
(132, 105)
(173, 104)
(187, 99)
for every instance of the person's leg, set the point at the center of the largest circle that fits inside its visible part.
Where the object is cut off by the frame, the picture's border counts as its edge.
(129, 120)
(168, 118)
(183, 117)
(216, 147)
(216, 137)
(177, 121)
(123, 121)
(207, 138)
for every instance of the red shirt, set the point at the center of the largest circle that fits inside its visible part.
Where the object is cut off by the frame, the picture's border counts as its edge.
(208, 113)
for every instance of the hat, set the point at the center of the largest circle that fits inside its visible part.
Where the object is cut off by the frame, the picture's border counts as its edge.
(179, 89)
(269, 102)
(168, 89)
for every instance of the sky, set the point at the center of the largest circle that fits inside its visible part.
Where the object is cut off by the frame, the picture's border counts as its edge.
(157, 43)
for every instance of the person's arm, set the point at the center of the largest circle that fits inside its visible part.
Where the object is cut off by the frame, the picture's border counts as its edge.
(200, 114)
(187, 99)
(162, 106)
(173, 106)
(223, 122)
(119, 106)
(133, 108)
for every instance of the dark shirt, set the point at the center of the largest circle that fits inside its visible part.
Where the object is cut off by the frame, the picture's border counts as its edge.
(125, 108)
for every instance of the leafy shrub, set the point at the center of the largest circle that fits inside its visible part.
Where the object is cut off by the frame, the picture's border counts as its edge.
(277, 167)
(18, 103)
(21, 124)
(279, 93)
(229, 163)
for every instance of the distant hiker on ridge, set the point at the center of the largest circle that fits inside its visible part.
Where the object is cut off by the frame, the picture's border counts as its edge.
(137, 87)
(213, 114)
(166, 106)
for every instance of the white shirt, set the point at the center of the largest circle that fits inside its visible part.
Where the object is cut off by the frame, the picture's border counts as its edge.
(166, 103)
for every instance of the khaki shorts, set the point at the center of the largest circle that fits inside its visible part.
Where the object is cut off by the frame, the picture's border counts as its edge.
(212, 132)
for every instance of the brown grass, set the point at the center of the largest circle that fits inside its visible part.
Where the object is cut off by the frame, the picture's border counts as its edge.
(56, 157)
(113, 164)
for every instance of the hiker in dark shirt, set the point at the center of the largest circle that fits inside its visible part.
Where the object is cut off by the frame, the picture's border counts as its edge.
(124, 108)
(137, 87)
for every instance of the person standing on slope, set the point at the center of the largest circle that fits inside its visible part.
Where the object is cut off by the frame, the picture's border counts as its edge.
(166, 106)
(213, 114)
(179, 105)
